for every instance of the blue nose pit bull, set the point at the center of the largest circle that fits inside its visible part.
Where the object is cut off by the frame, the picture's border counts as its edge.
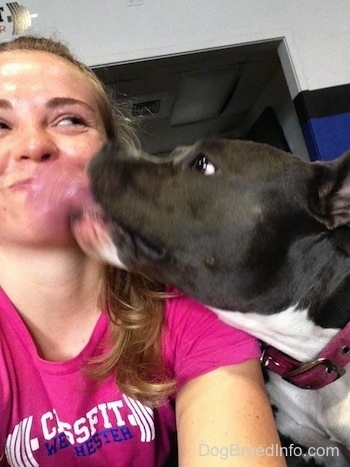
(262, 238)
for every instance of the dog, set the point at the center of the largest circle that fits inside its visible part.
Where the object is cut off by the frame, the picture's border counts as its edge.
(262, 238)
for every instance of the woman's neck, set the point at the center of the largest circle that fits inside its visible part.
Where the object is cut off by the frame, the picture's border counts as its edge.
(57, 295)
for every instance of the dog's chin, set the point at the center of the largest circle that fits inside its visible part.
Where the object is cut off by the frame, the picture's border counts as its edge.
(110, 242)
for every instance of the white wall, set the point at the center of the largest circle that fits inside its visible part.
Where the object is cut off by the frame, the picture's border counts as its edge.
(316, 32)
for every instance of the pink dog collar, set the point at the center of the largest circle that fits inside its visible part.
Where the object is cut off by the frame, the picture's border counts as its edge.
(317, 373)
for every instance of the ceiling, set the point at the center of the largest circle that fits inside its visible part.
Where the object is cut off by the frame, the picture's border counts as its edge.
(180, 99)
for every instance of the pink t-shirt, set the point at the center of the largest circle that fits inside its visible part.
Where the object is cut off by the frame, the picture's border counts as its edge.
(52, 414)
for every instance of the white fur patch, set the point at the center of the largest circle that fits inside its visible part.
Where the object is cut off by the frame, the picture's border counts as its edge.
(108, 252)
(291, 330)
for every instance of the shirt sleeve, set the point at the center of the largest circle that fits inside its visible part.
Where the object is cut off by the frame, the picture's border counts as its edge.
(196, 341)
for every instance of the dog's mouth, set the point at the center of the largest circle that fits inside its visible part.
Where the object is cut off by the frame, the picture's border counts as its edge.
(109, 240)
(142, 245)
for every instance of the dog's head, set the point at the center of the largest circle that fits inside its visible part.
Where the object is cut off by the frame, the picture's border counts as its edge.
(219, 220)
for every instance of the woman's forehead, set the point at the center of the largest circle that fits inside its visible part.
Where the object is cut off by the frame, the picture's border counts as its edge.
(19, 63)
(44, 71)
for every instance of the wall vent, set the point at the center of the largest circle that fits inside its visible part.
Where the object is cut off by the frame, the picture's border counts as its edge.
(141, 109)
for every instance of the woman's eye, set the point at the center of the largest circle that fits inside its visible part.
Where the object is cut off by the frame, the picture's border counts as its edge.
(71, 120)
(4, 126)
(202, 164)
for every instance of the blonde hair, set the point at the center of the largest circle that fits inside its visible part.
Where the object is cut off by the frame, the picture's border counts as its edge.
(135, 304)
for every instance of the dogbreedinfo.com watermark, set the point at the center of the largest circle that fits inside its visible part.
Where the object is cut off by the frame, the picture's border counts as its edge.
(235, 450)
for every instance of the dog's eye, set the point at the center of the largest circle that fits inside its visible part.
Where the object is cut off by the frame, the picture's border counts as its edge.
(202, 164)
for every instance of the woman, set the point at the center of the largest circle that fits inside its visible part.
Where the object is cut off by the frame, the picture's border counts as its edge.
(99, 367)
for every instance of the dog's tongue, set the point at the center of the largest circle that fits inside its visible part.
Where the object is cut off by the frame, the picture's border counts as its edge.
(57, 193)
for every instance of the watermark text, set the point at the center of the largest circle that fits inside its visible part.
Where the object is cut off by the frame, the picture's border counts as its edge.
(273, 450)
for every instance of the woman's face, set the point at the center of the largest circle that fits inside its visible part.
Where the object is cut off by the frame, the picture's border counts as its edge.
(50, 127)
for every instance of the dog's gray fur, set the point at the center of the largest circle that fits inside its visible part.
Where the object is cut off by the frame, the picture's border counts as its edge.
(256, 234)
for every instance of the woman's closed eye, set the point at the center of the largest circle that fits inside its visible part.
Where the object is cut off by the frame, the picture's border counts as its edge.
(4, 125)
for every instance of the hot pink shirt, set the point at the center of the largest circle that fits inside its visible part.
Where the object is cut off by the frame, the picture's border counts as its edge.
(52, 414)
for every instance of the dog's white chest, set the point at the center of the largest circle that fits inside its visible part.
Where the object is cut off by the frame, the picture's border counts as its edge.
(290, 331)
(312, 417)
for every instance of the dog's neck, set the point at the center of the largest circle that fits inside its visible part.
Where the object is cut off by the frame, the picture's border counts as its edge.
(291, 331)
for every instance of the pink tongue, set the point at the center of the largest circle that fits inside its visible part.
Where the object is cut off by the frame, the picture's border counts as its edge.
(58, 192)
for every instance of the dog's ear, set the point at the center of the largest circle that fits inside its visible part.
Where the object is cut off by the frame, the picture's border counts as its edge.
(333, 186)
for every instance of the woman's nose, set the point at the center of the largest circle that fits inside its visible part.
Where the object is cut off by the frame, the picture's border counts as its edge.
(34, 144)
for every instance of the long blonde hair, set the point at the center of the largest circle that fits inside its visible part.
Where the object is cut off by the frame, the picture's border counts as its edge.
(135, 304)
